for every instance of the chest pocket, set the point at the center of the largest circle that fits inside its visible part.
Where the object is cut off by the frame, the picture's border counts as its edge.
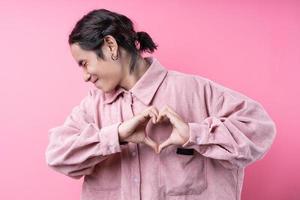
(182, 171)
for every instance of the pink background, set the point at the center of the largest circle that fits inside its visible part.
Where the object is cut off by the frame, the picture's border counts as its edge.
(250, 46)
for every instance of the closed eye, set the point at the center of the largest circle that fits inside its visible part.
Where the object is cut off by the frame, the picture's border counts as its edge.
(82, 63)
(85, 64)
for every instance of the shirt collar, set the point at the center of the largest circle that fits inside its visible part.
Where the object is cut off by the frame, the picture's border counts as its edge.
(145, 88)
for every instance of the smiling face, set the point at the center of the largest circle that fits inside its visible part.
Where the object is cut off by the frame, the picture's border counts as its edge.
(105, 73)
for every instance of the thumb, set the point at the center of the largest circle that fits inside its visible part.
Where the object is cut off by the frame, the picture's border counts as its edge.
(148, 141)
(164, 145)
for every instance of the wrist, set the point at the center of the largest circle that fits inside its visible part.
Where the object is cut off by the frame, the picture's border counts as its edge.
(121, 139)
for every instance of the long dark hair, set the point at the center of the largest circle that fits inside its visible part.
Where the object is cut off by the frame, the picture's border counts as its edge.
(90, 30)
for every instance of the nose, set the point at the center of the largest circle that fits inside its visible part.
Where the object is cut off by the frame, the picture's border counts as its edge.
(86, 76)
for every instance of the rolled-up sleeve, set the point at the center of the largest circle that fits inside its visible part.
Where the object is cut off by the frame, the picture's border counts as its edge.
(238, 130)
(78, 145)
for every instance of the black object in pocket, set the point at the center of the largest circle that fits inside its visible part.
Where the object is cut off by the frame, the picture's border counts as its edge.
(123, 143)
(185, 151)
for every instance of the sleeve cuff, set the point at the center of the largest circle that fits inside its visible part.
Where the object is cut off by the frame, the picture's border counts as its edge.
(109, 139)
(197, 135)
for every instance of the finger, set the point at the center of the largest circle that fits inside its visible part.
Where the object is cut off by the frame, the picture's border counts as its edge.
(164, 145)
(146, 115)
(151, 108)
(167, 116)
(173, 117)
(168, 109)
(162, 116)
(148, 141)
(153, 116)
(171, 110)
(156, 112)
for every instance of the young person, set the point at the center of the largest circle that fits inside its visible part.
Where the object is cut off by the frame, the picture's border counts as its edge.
(146, 132)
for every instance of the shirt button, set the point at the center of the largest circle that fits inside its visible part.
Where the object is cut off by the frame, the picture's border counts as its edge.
(136, 179)
(108, 149)
(133, 153)
(198, 140)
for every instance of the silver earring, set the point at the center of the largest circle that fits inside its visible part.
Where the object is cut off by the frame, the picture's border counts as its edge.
(114, 58)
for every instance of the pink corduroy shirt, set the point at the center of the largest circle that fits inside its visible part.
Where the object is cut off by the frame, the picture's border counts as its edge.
(227, 132)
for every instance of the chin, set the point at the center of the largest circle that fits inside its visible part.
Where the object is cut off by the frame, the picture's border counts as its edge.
(106, 90)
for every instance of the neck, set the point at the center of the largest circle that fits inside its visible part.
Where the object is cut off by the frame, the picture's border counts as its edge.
(129, 80)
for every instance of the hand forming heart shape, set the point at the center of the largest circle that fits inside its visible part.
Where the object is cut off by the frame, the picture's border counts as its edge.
(133, 130)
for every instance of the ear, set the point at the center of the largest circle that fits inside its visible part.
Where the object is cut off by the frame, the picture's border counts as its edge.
(111, 44)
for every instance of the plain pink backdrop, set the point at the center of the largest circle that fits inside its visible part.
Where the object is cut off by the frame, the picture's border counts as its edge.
(250, 46)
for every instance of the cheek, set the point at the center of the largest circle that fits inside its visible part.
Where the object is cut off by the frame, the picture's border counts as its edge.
(93, 69)
(108, 79)
(114, 74)
(114, 80)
